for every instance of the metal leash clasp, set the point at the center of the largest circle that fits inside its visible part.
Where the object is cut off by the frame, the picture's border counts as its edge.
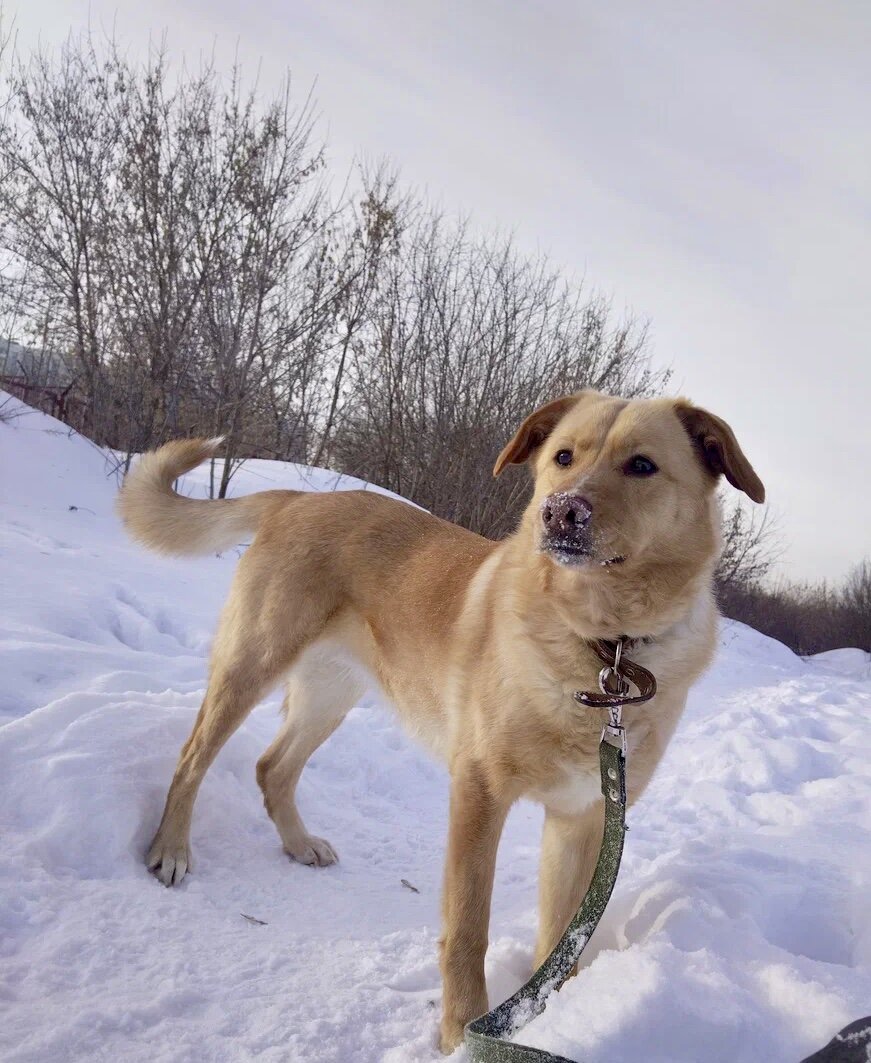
(614, 733)
(613, 683)
(610, 679)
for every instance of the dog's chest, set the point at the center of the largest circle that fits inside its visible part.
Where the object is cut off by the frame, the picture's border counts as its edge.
(574, 783)
(576, 787)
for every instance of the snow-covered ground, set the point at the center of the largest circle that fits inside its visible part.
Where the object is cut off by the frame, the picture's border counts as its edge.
(739, 930)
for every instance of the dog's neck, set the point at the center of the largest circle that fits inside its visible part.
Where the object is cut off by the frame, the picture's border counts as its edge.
(639, 603)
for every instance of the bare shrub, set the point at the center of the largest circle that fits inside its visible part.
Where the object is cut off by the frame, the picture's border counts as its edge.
(807, 617)
(9, 410)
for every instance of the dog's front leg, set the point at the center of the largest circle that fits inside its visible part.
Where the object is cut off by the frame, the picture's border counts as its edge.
(476, 818)
(569, 849)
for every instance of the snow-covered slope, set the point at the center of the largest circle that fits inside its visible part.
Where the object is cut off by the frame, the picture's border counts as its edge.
(739, 930)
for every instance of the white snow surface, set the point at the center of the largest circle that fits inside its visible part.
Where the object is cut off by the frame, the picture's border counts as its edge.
(739, 930)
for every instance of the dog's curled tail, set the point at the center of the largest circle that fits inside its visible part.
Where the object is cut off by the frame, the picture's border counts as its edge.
(163, 520)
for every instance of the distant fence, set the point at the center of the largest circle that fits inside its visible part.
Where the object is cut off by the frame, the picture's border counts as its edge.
(51, 399)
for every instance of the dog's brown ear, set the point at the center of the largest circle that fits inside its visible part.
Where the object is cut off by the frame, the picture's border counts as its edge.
(533, 432)
(718, 448)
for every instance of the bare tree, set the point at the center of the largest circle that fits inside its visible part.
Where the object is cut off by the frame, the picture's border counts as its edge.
(371, 237)
(271, 219)
(856, 602)
(59, 149)
(857, 589)
(462, 337)
(751, 547)
(159, 233)
(168, 236)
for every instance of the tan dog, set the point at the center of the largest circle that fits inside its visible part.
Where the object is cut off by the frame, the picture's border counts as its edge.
(480, 645)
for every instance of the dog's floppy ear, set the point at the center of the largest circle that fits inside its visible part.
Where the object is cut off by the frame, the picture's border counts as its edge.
(533, 432)
(718, 448)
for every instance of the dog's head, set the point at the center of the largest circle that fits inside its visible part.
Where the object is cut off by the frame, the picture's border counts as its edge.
(626, 487)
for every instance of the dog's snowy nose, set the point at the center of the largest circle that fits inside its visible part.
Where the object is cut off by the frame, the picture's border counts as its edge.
(564, 514)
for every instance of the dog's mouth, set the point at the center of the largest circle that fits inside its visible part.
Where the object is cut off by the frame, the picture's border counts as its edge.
(569, 553)
(572, 553)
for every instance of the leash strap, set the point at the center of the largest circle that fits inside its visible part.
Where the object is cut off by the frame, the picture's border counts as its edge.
(851, 1045)
(485, 1037)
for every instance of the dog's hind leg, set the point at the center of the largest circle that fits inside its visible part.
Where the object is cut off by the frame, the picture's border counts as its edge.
(232, 693)
(320, 691)
(257, 642)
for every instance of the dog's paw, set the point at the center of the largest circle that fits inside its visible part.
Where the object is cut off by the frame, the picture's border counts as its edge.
(170, 863)
(451, 1036)
(316, 852)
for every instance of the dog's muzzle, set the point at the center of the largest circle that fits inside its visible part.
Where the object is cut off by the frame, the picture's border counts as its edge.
(566, 532)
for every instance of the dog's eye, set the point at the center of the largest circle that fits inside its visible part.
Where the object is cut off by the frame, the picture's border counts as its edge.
(640, 466)
(563, 457)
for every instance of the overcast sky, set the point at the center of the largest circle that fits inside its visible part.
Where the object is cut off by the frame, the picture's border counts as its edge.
(707, 164)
